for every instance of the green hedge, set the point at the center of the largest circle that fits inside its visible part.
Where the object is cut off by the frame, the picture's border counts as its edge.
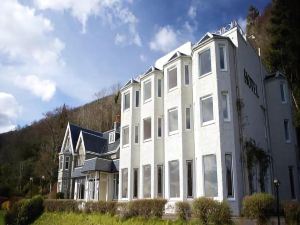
(102, 207)
(61, 205)
(183, 210)
(292, 213)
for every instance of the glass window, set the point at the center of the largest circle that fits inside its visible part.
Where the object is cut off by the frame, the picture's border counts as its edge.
(125, 140)
(159, 127)
(204, 62)
(160, 180)
(222, 57)
(287, 131)
(124, 183)
(225, 106)
(127, 101)
(189, 165)
(174, 179)
(283, 92)
(116, 186)
(172, 78)
(147, 181)
(229, 174)
(159, 88)
(61, 161)
(292, 185)
(137, 98)
(207, 109)
(136, 134)
(147, 128)
(67, 162)
(111, 138)
(188, 118)
(135, 182)
(210, 176)
(186, 75)
(147, 90)
(173, 119)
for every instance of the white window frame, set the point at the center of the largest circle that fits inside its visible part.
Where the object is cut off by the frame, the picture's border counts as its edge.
(231, 176)
(223, 47)
(137, 183)
(190, 109)
(170, 69)
(148, 139)
(174, 131)
(187, 75)
(127, 144)
(284, 92)
(161, 127)
(286, 124)
(61, 162)
(144, 91)
(136, 134)
(111, 138)
(201, 110)
(187, 177)
(126, 194)
(179, 178)
(67, 157)
(137, 99)
(217, 185)
(162, 180)
(124, 105)
(225, 93)
(199, 64)
(150, 184)
(161, 88)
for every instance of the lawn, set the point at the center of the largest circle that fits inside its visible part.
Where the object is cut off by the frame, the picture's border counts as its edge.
(97, 219)
(1, 217)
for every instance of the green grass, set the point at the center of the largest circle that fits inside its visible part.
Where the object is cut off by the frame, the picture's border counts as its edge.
(1, 217)
(98, 219)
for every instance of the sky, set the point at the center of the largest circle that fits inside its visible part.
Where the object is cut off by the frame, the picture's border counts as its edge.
(55, 52)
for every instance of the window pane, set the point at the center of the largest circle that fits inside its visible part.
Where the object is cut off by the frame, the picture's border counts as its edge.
(282, 92)
(124, 183)
(188, 118)
(147, 90)
(147, 181)
(291, 176)
(222, 57)
(173, 119)
(159, 127)
(136, 134)
(137, 99)
(147, 128)
(172, 77)
(229, 174)
(67, 162)
(159, 87)
(207, 109)
(189, 178)
(125, 135)
(286, 130)
(174, 179)
(127, 101)
(225, 106)
(160, 181)
(204, 62)
(186, 75)
(210, 176)
(135, 183)
(61, 159)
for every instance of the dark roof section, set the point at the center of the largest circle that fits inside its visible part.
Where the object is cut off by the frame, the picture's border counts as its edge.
(176, 55)
(206, 37)
(98, 164)
(151, 69)
(131, 81)
(77, 172)
(94, 143)
(275, 75)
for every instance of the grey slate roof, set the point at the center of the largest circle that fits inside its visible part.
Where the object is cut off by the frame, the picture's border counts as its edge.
(77, 172)
(99, 164)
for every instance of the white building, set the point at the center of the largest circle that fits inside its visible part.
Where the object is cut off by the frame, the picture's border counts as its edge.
(185, 122)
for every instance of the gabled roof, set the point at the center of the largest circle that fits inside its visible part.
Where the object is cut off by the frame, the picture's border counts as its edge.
(151, 69)
(207, 36)
(94, 143)
(131, 81)
(176, 55)
(277, 74)
(98, 164)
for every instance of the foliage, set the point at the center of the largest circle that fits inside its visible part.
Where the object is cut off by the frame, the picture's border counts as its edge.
(6, 205)
(292, 212)
(183, 210)
(102, 207)
(210, 211)
(258, 206)
(2, 217)
(59, 195)
(61, 205)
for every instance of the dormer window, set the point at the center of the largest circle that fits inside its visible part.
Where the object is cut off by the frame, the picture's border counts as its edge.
(111, 138)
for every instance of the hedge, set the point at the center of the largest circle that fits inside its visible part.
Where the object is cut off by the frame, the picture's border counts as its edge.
(61, 205)
(183, 210)
(102, 207)
(291, 212)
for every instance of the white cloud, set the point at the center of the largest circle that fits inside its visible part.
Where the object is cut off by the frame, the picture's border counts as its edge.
(143, 58)
(120, 39)
(192, 12)
(164, 40)
(45, 89)
(10, 110)
(243, 23)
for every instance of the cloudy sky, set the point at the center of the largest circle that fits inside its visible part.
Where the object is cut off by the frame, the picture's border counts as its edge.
(63, 51)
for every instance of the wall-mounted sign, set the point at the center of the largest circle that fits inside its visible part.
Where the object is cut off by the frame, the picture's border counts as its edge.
(250, 83)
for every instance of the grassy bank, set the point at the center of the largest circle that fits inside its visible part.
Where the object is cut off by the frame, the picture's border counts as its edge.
(1, 217)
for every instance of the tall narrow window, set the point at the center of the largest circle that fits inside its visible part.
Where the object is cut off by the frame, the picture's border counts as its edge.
(283, 92)
(136, 134)
(159, 127)
(115, 185)
(159, 88)
(189, 168)
(172, 78)
(222, 57)
(137, 98)
(207, 112)
(229, 174)
(147, 90)
(204, 62)
(61, 161)
(292, 185)
(173, 120)
(125, 138)
(124, 183)
(174, 179)
(135, 182)
(111, 138)
(210, 176)
(126, 101)
(225, 106)
(147, 181)
(67, 162)
(188, 118)
(160, 179)
(287, 131)
(186, 75)
(147, 128)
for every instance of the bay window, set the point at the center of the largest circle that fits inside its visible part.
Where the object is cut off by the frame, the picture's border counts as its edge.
(204, 62)
(147, 90)
(147, 128)
(174, 179)
(210, 176)
(173, 120)
(124, 183)
(172, 78)
(147, 181)
(207, 112)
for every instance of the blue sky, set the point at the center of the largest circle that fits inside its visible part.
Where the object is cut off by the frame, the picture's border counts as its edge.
(64, 51)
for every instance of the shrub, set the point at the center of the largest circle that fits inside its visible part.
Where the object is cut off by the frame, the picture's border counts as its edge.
(210, 211)
(6, 205)
(59, 195)
(61, 205)
(101, 207)
(183, 210)
(292, 213)
(258, 206)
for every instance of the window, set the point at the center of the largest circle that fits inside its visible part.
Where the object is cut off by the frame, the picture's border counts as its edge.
(160, 180)
(147, 181)
(283, 92)
(188, 118)
(135, 182)
(111, 138)
(147, 90)
(61, 161)
(223, 62)
(207, 112)
(116, 186)
(292, 185)
(173, 120)
(174, 179)
(172, 78)
(287, 131)
(67, 162)
(136, 134)
(229, 174)
(159, 127)
(147, 128)
(124, 183)
(126, 101)
(225, 106)
(204, 62)
(189, 165)
(186, 75)
(159, 88)
(125, 138)
(137, 98)
(210, 176)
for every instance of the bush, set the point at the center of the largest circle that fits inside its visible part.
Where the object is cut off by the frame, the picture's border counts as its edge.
(61, 205)
(25, 211)
(102, 207)
(6, 205)
(183, 210)
(258, 206)
(210, 211)
(60, 195)
(292, 213)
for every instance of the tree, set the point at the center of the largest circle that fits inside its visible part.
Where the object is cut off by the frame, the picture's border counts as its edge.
(252, 16)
